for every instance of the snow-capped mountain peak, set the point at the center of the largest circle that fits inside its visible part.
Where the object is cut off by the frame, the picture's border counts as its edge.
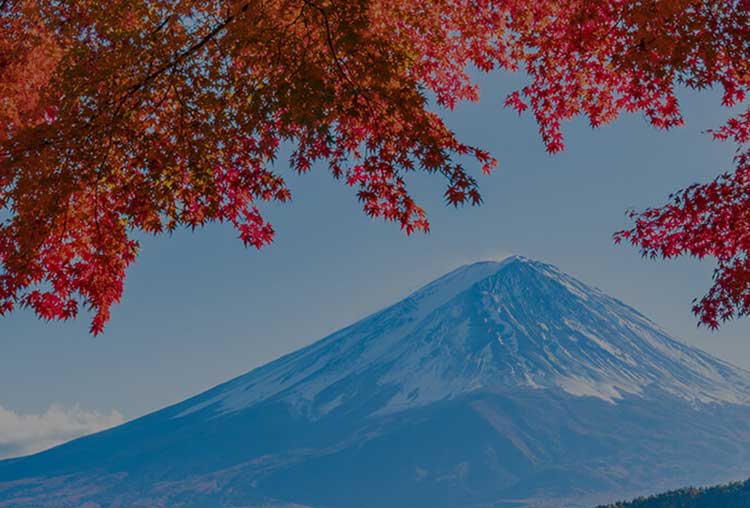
(503, 325)
(497, 384)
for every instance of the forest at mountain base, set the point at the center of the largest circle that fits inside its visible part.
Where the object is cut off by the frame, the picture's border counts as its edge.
(733, 495)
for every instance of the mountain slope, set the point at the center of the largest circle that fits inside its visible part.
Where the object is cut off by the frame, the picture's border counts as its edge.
(497, 383)
(513, 324)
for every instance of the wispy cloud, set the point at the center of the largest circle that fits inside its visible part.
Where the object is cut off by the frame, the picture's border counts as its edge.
(23, 434)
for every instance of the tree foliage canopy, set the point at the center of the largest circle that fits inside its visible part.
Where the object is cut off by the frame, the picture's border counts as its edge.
(147, 115)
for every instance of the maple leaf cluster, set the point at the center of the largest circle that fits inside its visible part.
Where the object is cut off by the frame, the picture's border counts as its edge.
(147, 115)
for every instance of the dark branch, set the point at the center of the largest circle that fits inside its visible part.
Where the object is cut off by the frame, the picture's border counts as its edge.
(185, 54)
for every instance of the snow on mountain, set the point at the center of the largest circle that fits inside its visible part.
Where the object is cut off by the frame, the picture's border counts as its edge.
(499, 385)
(489, 325)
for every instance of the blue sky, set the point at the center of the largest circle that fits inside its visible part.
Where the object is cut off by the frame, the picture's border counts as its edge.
(199, 308)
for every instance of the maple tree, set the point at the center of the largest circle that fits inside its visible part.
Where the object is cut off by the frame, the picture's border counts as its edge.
(146, 115)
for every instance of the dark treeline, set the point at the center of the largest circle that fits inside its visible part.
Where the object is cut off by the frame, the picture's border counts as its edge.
(734, 495)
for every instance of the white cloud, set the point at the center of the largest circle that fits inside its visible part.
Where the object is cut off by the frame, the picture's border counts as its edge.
(23, 434)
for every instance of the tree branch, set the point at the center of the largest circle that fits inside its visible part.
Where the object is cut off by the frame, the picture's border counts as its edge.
(181, 56)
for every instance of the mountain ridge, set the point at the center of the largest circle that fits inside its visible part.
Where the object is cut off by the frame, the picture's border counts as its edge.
(499, 384)
(415, 312)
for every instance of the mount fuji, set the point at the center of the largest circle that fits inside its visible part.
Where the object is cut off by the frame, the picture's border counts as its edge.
(501, 384)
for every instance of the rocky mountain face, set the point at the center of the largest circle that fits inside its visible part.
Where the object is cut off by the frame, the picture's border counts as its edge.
(499, 385)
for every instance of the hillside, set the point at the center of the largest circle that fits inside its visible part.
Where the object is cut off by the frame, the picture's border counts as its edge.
(499, 384)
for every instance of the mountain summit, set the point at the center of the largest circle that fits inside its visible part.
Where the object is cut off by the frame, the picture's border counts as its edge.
(489, 325)
(500, 382)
